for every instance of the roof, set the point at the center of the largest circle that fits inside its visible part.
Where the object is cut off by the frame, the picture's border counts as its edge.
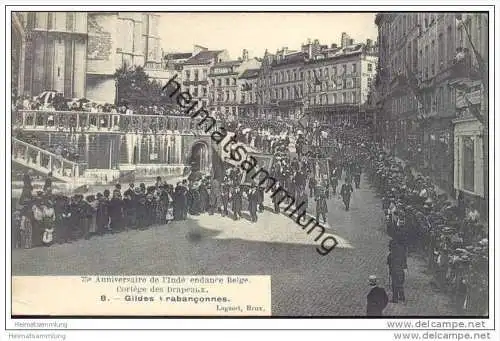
(228, 63)
(291, 58)
(250, 73)
(203, 57)
(179, 55)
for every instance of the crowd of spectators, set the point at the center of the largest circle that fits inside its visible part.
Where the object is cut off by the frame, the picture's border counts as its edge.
(448, 232)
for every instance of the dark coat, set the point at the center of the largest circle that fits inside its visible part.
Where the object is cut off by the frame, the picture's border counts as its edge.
(376, 301)
(237, 201)
(253, 199)
(346, 190)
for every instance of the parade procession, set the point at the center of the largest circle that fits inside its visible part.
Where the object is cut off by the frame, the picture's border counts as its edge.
(103, 161)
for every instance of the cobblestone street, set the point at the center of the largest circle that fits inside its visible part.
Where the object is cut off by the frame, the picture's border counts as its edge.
(304, 283)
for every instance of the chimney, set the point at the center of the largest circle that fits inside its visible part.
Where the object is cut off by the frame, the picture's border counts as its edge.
(310, 52)
(316, 42)
(334, 46)
(369, 42)
(351, 41)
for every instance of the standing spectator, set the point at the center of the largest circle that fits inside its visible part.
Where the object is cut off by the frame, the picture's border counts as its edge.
(377, 299)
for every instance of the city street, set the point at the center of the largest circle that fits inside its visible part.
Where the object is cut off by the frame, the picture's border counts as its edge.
(304, 283)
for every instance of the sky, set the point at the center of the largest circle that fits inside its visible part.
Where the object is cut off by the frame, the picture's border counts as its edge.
(258, 31)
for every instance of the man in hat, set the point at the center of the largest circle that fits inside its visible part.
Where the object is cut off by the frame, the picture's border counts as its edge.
(116, 211)
(237, 202)
(377, 299)
(253, 202)
(345, 193)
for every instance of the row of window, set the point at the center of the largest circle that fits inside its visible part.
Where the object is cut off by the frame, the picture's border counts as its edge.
(295, 75)
(227, 96)
(228, 81)
(442, 100)
(196, 75)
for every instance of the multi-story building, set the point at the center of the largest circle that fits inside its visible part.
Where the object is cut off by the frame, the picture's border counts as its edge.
(247, 83)
(195, 71)
(78, 53)
(18, 47)
(337, 80)
(115, 40)
(55, 53)
(471, 132)
(286, 83)
(419, 64)
(225, 89)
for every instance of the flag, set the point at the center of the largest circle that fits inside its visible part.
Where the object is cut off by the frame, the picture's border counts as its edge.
(316, 79)
(473, 109)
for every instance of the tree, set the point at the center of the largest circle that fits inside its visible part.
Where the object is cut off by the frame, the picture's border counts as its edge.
(134, 87)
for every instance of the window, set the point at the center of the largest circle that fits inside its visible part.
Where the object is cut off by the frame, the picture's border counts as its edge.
(188, 75)
(353, 68)
(468, 165)
(369, 81)
(344, 83)
(234, 95)
(334, 70)
(334, 98)
(354, 99)
(344, 69)
(309, 74)
(196, 79)
(219, 82)
(228, 96)
(204, 91)
(234, 81)
(370, 67)
(195, 92)
(301, 75)
(205, 75)
(344, 98)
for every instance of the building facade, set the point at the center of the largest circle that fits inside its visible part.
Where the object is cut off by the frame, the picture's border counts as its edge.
(287, 84)
(195, 71)
(471, 133)
(247, 82)
(18, 55)
(225, 88)
(337, 81)
(116, 40)
(421, 67)
(55, 53)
